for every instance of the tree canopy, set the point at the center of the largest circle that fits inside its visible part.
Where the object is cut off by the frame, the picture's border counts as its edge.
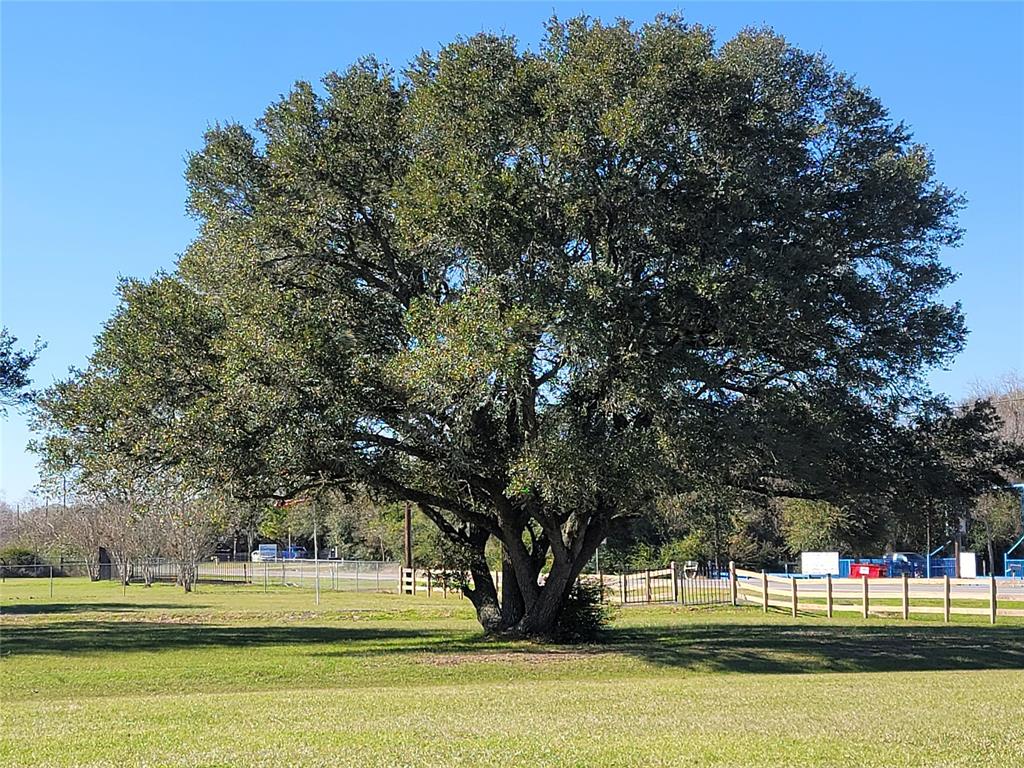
(14, 365)
(535, 291)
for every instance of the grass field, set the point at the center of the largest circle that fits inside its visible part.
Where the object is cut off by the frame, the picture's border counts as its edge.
(230, 676)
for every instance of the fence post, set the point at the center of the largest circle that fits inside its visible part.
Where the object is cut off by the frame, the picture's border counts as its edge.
(764, 591)
(51, 586)
(732, 584)
(430, 585)
(945, 598)
(792, 583)
(828, 595)
(622, 591)
(864, 596)
(675, 581)
(648, 584)
(906, 596)
(316, 577)
(993, 606)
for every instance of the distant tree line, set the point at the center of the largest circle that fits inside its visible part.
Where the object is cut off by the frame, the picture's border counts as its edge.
(957, 472)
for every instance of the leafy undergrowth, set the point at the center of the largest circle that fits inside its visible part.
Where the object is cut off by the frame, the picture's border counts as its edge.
(230, 676)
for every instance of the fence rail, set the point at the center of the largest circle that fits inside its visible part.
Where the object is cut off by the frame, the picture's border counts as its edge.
(337, 575)
(863, 595)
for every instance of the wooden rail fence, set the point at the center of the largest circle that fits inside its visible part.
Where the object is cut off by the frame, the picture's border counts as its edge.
(862, 595)
(660, 585)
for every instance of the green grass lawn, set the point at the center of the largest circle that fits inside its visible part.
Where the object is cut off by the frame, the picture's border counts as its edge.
(230, 676)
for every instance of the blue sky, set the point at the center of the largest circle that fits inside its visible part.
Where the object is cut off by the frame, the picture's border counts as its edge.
(101, 102)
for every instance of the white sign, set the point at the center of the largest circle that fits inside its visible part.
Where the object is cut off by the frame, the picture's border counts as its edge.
(968, 565)
(819, 563)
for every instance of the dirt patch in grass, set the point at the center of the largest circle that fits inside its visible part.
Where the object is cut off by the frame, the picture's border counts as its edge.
(530, 657)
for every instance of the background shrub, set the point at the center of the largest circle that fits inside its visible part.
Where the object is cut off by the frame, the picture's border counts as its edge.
(15, 559)
(584, 614)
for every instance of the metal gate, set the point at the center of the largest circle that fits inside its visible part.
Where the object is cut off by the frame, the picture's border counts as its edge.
(685, 586)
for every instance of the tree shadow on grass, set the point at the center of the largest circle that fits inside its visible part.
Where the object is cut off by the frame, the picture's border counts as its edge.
(91, 636)
(795, 648)
(719, 647)
(25, 609)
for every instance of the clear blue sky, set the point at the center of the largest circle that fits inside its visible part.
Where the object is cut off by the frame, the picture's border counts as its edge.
(101, 103)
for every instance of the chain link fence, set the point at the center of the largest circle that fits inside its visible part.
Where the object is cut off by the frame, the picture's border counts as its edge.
(337, 575)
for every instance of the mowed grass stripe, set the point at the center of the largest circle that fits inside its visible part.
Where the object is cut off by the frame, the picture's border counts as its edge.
(694, 719)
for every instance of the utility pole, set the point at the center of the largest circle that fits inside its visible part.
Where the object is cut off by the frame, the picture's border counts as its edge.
(928, 542)
(316, 546)
(316, 557)
(961, 535)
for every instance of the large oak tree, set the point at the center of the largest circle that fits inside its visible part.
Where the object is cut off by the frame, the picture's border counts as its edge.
(532, 292)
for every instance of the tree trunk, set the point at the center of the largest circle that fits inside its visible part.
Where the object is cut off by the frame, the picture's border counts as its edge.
(526, 608)
(124, 568)
(484, 597)
(513, 607)
(186, 575)
(540, 619)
